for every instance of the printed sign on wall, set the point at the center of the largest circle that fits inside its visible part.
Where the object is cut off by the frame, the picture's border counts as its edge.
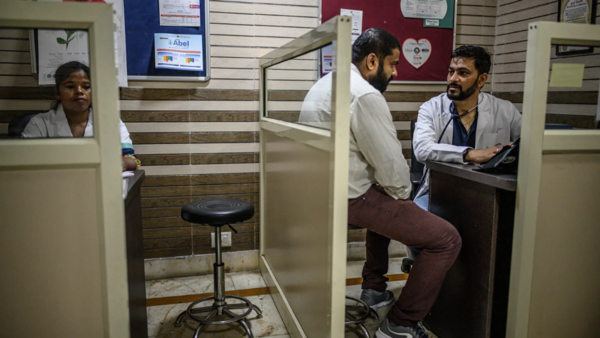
(416, 52)
(178, 51)
(424, 9)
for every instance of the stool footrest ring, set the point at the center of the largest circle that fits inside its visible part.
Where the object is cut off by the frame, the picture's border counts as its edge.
(361, 306)
(247, 304)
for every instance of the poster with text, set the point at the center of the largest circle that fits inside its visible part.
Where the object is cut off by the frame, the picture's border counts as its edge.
(50, 55)
(182, 13)
(357, 19)
(59, 46)
(178, 51)
(424, 9)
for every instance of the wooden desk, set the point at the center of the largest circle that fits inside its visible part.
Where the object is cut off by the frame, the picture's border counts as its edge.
(474, 298)
(138, 320)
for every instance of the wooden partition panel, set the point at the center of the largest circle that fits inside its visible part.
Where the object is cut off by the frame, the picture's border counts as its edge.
(554, 272)
(50, 254)
(566, 266)
(299, 242)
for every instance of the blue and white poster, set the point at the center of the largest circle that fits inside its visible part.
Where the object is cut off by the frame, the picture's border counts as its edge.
(178, 51)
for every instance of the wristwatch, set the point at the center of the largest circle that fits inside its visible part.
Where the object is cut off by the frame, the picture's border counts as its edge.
(465, 152)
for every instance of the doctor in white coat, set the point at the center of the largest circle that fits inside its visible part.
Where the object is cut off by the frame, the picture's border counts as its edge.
(463, 125)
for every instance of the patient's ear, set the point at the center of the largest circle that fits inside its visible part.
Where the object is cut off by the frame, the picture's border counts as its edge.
(372, 62)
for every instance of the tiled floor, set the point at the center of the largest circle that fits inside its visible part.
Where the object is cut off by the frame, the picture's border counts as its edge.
(161, 318)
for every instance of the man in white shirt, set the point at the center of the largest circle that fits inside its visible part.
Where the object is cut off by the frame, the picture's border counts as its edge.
(463, 125)
(379, 188)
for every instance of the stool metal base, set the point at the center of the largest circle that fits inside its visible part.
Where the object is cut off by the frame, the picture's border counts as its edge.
(219, 308)
(361, 307)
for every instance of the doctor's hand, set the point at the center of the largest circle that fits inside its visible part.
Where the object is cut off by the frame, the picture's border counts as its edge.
(481, 155)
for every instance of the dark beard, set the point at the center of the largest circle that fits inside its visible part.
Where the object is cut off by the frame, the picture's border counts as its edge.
(462, 95)
(379, 81)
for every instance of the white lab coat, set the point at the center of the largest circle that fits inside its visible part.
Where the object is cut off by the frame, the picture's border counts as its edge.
(498, 123)
(54, 123)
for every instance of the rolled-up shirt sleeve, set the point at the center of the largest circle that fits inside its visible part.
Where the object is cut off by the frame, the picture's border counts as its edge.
(376, 137)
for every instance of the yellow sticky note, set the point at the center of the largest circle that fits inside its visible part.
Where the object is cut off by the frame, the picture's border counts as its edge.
(567, 75)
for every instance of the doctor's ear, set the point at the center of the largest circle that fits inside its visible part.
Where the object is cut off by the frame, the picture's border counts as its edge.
(481, 80)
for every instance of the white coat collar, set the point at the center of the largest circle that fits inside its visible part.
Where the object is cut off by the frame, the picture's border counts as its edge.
(62, 124)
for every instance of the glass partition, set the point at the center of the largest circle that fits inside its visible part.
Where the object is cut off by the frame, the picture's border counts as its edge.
(573, 88)
(295, 94)
(47, 84)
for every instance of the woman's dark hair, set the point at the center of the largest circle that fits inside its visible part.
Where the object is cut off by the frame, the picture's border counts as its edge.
(63, 72)
(482, 58)
(374, 40)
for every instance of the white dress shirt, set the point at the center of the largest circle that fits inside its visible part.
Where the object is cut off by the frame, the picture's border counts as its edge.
(375, 151)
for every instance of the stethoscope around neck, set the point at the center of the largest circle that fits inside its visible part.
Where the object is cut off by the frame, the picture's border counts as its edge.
(453, 116)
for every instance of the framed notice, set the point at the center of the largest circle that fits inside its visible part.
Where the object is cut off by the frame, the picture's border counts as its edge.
(576, 11)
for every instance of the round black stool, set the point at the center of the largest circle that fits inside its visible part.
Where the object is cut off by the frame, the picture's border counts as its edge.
(217, 213)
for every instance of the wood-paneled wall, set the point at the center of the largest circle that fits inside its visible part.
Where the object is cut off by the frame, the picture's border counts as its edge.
(575, 106)
(199, 140)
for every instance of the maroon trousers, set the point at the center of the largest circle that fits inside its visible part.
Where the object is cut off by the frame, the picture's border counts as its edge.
(386, 218)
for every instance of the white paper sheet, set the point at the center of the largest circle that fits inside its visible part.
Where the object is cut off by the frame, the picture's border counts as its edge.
(57, 47)
(125, 187)
(181, 13)
(327, 56)
(425, 9)
(357, 20)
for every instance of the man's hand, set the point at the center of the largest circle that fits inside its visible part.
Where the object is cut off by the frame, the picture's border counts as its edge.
(481, 155)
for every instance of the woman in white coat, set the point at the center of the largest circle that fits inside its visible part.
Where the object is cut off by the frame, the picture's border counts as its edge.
(71, 113)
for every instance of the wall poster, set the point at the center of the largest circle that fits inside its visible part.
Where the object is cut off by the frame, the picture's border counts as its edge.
(576, 11)
(56, 47)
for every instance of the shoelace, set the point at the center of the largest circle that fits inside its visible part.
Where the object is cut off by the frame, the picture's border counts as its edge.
(419, 332)
(425, 328)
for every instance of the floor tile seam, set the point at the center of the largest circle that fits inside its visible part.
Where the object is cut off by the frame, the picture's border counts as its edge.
(246, 292)
(191, 298)
(183, 281)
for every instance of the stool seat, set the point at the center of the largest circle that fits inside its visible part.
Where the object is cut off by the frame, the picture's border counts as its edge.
(217, 212)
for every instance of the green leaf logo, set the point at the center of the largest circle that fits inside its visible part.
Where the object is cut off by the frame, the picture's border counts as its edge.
(70, 37)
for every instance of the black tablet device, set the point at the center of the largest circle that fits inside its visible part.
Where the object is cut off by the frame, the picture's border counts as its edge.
(506, 160)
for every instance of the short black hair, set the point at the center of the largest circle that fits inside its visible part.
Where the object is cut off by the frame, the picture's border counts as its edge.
(63, 72)
(482, 58)
(374, 40)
